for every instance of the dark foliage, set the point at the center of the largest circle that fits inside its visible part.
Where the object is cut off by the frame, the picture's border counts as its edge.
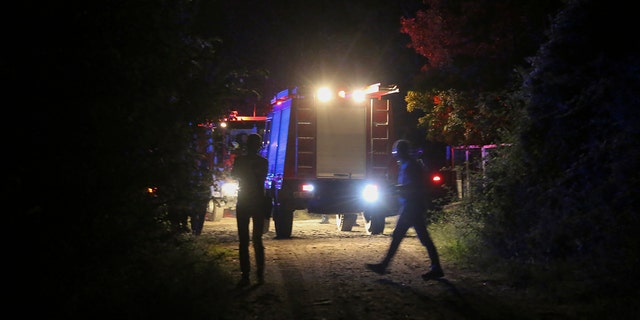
(473, 48)
(567, 191)
(474, 45)
(110, 94)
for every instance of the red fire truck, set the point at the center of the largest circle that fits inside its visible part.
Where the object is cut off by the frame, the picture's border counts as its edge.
(229, 139)
(329, 152)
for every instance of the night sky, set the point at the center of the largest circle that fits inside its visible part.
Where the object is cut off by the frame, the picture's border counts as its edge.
(342, 43)
(306, 42)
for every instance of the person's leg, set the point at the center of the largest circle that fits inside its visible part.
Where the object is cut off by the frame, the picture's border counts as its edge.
(435, 271)
(198, 214)
(402, 226)
(396, 238)
(242, 220)
(258, 247)
(423, 234)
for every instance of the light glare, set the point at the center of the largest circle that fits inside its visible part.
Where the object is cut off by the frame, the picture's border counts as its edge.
(370, 193)
(358, 96)
(324, 94)
(230, 189)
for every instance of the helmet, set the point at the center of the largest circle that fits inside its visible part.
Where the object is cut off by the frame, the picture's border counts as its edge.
(401, 149)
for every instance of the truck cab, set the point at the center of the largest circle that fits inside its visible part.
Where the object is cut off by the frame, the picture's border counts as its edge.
(329, 152)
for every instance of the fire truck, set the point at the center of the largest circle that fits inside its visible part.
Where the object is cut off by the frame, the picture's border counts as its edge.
(229, 140)
(329, 152)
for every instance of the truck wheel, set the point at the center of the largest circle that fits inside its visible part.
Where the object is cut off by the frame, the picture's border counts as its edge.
(214, 211)
(283, 221)
(346, 221)
(374, 224)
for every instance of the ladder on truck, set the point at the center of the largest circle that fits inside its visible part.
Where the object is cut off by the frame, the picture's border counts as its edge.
(305, 126)
(379, 138)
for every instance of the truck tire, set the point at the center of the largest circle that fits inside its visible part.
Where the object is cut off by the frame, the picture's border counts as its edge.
(283, 221)
(346, 221)
(374, 224)
(214, 211)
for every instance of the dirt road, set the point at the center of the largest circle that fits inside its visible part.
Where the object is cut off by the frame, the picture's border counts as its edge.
(319, 274)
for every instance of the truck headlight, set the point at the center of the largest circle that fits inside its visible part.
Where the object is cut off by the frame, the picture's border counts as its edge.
(230, 189)
(370, 193)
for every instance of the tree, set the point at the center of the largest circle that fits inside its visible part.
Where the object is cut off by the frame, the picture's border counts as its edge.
(451, 120)
(566, 192)
(582, 124)
(472, 49)
(110, 93)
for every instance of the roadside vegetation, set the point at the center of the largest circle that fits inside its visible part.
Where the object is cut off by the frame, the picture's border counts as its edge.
(555, 211)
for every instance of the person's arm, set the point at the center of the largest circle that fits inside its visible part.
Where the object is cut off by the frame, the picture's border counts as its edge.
(235, 168)
(264, 170)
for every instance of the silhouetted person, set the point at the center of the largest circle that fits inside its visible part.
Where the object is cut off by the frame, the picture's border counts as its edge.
(200, 197)
(188, 198)
(411, 193)
(251, 171)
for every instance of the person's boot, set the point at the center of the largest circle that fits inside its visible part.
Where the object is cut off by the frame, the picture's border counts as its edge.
(379, 268)
(435, 273)
(260, 275)
(244, 281)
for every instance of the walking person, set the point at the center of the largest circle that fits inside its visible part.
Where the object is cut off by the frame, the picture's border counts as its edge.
(411, 192)
(251, 171)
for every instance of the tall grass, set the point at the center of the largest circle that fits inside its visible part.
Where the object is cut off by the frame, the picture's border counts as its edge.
(180, 280)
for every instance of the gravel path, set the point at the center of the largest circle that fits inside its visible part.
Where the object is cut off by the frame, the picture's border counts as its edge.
(319, 274)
